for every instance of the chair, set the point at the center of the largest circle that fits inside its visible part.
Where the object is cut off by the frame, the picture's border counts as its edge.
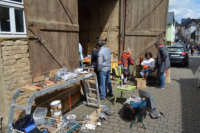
(121, 88)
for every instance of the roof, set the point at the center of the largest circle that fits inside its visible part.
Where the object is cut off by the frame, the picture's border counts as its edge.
(184, 21)
(170, 19)
(189, 22)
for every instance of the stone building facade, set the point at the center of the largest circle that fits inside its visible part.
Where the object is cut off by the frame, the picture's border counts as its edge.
(14, 73)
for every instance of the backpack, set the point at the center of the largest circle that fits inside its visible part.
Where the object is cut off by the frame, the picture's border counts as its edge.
(26, 125)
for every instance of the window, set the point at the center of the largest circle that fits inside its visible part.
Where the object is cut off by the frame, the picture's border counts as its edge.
(12, 20)
(5, 19)
(17, 0)
(176, 49)
(19, 23)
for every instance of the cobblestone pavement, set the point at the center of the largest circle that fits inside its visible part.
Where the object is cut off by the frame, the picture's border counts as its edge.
(179, 102)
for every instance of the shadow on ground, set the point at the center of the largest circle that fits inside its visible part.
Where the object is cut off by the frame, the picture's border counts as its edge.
(190, 99)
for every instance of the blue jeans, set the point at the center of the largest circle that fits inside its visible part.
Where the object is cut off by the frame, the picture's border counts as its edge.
(147, 72)
(104, 78)
(161, 79)
(97, 73)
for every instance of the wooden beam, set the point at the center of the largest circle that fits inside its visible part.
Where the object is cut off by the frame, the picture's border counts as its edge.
(121, 18)
(157, 30)
(65, 4)
(142, 33)
(12, 38)
(54, 26)
(121, 27)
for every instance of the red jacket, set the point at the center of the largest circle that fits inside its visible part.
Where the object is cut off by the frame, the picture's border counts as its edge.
(126, 59)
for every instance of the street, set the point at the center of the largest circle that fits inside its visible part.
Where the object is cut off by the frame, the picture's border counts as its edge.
(179, 103)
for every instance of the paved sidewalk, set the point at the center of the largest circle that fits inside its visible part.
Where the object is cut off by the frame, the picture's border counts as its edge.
(180, 103)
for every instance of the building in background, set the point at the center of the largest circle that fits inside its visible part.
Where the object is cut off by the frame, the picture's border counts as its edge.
(197, 34)
(177, 32)
(188, 30)
(170, 34)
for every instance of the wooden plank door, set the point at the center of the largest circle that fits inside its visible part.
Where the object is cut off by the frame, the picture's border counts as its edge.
(142, 21)
(53, 34)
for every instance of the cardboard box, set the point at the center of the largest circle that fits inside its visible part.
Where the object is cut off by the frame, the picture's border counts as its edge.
(168, 77)
(140, 83)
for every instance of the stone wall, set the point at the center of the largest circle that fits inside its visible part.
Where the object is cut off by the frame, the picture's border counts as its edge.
(14, 73)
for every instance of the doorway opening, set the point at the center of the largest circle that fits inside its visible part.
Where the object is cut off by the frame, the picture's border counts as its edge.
(99, 19)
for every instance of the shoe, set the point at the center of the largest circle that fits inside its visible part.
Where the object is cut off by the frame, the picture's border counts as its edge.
(156, 115)
(159, 87)
(110, 95)
(101, 98)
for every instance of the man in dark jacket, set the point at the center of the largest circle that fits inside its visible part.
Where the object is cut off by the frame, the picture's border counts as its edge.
(162, 63)
(94, 61)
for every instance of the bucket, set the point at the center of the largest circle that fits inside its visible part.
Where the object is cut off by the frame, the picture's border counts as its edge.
(56, 109)
(56, 105)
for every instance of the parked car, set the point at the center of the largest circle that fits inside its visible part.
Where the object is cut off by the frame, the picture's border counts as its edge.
(178, 54)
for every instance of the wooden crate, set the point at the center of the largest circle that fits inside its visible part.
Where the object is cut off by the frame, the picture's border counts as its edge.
(140, 83)
(168, 77)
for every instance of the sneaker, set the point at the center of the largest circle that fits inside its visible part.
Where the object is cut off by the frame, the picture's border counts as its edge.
(110, 95)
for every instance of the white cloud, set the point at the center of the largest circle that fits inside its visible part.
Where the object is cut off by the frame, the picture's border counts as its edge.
(184, 9)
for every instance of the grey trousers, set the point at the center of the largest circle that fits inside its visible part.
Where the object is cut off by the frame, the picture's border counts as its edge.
(148, 96)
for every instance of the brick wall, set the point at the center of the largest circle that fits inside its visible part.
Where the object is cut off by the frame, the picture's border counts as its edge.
(14, 72)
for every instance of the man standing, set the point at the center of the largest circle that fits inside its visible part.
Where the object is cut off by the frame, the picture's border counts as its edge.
(192, 49)
(104, 67)
(94, 60)
(162, 63)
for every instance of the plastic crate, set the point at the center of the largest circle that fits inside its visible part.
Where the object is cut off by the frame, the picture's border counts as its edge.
(39, 115)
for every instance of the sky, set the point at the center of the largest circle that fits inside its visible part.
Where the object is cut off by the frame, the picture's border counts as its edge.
(185, 8)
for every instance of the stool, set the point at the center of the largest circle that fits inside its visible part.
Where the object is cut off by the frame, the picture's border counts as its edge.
(139, 111)
(139, 117)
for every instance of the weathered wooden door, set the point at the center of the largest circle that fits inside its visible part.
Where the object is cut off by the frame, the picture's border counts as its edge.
(142, 21)
(53, 34)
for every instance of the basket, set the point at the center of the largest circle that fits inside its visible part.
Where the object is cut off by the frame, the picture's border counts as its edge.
(55, 125)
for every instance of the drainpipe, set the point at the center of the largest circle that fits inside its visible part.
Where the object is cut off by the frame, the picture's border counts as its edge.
(124, 23)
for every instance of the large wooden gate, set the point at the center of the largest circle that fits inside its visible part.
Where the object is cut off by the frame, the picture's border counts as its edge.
(53, 34)
(142, 21)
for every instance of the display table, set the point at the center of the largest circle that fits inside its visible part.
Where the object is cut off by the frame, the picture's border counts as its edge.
(36, 93)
